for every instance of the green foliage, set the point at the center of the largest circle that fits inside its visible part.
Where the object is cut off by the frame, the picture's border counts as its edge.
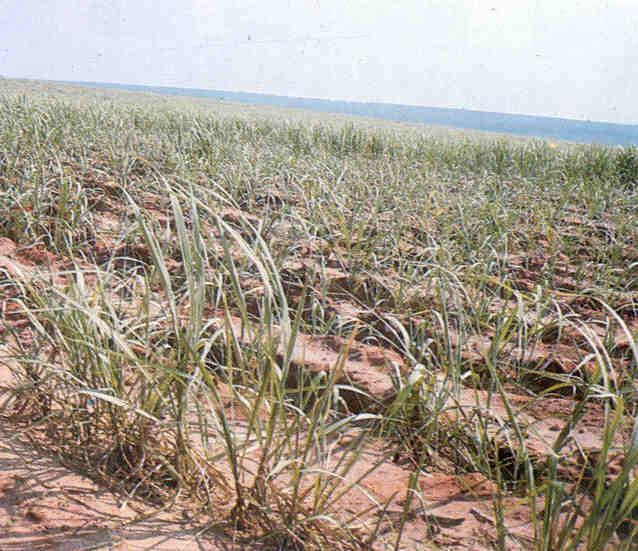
(627, 166)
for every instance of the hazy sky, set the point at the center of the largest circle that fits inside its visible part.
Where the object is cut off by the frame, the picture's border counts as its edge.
(569, 58)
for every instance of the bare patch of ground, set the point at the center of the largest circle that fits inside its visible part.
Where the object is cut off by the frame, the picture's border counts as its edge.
(45, 506)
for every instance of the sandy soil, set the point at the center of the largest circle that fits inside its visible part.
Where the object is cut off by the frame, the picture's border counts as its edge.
(45, 506)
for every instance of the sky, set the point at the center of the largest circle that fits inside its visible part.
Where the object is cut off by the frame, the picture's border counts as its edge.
(565, 58)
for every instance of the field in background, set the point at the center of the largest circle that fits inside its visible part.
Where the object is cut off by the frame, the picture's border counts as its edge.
(318, 332)
(522, 125)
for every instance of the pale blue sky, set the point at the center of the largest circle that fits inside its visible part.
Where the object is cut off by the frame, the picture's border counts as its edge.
(568, 58)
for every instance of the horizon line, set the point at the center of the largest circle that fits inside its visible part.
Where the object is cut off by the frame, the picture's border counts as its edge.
(335, 100)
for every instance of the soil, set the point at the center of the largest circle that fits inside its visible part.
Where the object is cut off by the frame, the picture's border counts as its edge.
(46, 506)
